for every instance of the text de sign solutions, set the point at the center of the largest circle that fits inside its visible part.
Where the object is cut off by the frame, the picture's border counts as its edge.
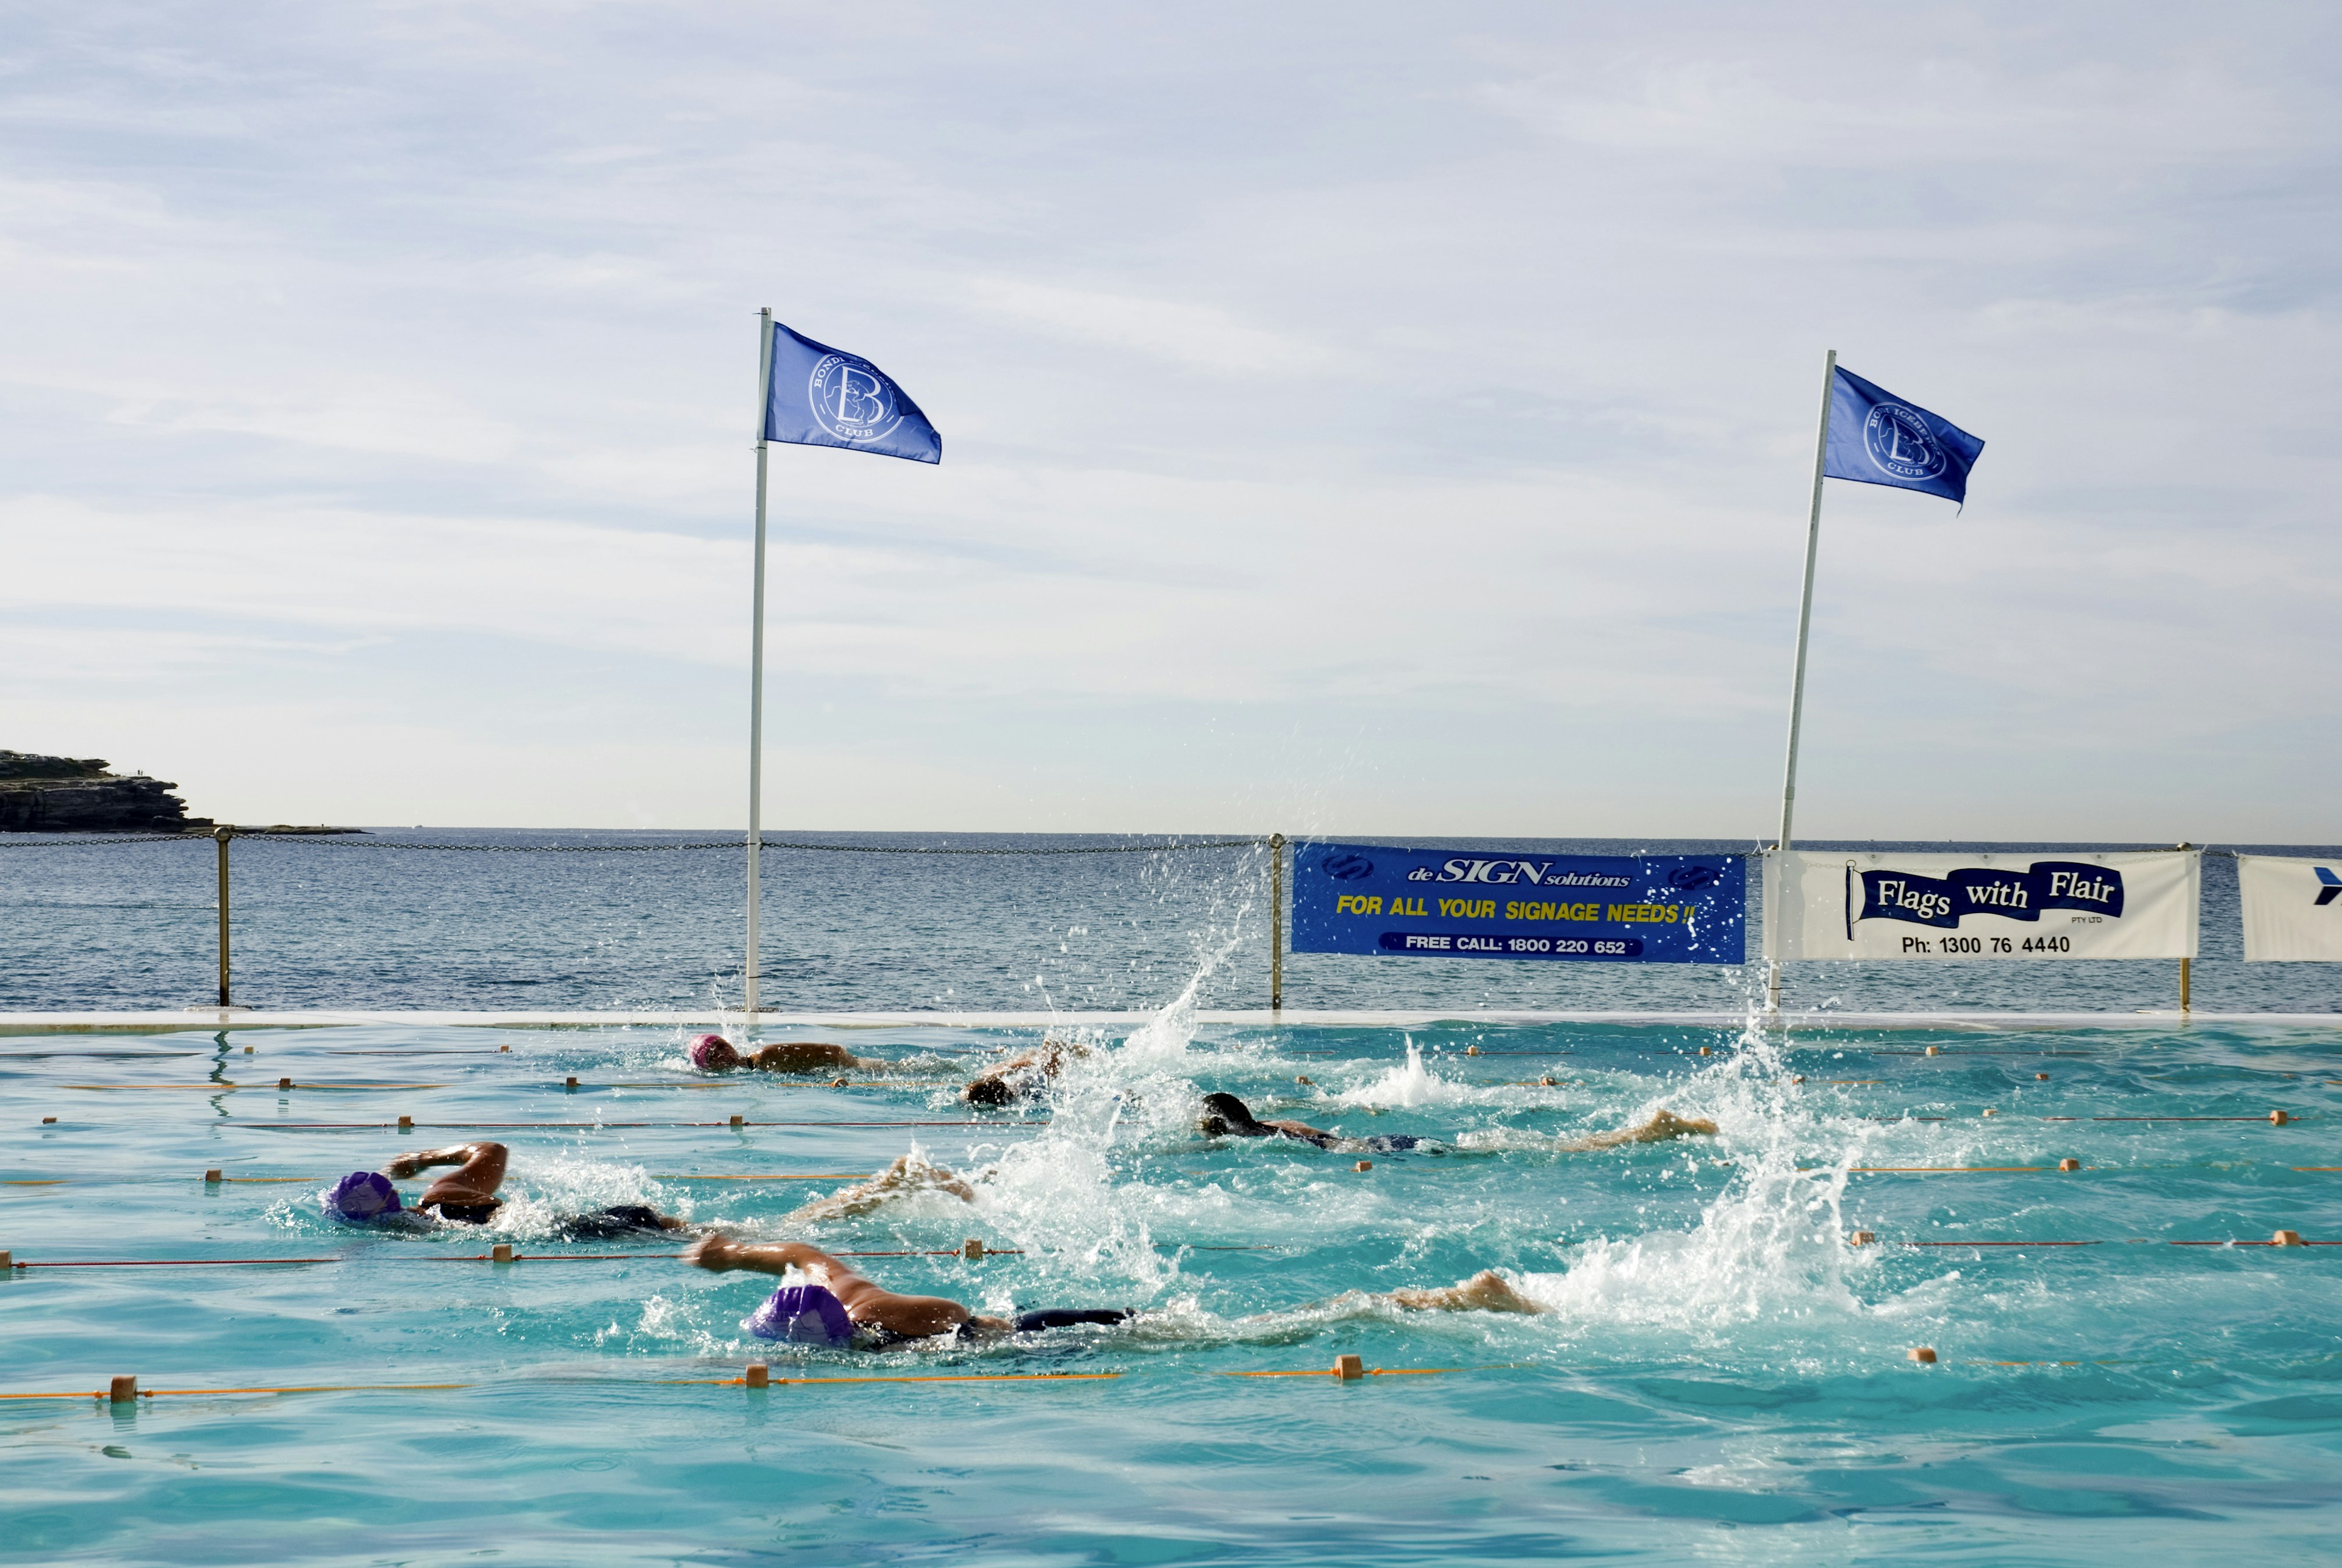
(1518, 904)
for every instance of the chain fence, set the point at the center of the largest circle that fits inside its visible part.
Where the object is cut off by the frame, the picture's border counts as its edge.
(323, 841)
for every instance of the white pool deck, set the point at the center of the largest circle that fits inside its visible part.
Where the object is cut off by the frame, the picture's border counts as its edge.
(772, 1023)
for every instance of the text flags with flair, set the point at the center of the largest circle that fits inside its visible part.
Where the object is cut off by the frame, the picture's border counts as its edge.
(818, 396)
(1878, 438)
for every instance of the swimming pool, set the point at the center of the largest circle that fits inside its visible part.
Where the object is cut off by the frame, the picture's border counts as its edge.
(1719, 1373)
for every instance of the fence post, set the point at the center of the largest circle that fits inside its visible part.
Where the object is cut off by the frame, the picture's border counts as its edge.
(222, 834)
(1276, 923)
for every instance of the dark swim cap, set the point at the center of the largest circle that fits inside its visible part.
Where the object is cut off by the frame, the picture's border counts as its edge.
(703, 1046)
(1231, 1111)
(989, 1090)
(362, 1195)
(802, 1314)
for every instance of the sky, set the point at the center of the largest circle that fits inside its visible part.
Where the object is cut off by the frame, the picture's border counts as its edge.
(1357, 418)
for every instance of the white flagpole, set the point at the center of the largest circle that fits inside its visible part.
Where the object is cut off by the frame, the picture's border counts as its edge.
(1797, 681)
(756, 671)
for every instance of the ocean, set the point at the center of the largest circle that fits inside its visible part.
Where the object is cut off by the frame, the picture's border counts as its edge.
(322, 923)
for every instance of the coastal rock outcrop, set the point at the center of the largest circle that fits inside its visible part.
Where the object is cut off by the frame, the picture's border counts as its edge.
(76, 795)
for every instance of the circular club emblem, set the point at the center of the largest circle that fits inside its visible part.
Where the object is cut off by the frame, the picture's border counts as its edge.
(851, 400)
(1346, 867)
(1899, 442)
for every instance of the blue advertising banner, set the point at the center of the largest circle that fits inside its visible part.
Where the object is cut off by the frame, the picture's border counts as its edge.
(1505, 904)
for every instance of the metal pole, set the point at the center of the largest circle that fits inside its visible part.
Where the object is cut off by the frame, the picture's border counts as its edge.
(221, 835)
(2185, 963)
(1804, 626)
(1276, 923)
(756, 671)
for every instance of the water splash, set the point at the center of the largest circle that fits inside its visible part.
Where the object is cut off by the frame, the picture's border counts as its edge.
(1163, 1040)
(1410, 1083)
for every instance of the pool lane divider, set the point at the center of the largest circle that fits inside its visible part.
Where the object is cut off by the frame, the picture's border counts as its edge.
(214, 1177)
(2281, 1239)
(284, 1085)
(503, 1252)
(1351, 1369)
(972, 1249)
(124, 1388)
(404, 1123)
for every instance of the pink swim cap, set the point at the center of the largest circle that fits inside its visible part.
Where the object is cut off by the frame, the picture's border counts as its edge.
(702, 1047)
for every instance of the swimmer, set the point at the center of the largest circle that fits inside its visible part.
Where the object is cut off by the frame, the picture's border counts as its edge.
(714, 1053)
(1024, 1075)
(907, 1177)
(843, 1311)
(467, 1196)
(1225, 1116)
(1486, 1291)
(1664, 1126)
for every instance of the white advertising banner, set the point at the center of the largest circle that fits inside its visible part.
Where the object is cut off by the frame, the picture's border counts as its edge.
(2045, 903)
(2292, 909)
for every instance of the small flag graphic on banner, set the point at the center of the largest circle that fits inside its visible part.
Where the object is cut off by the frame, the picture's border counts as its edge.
(818, 396)
(1878, 438)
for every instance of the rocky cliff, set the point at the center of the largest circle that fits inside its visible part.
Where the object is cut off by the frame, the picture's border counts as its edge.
(70, 794)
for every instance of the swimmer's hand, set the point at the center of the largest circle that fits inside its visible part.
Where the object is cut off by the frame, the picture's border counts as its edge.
(716, 1255)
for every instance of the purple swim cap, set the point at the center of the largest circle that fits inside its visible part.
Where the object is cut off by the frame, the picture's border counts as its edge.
(802, 1314)
(362, 1196)
(702, 1046)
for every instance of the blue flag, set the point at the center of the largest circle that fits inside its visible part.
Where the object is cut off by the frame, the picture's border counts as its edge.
(820, 397)
(1878, 438)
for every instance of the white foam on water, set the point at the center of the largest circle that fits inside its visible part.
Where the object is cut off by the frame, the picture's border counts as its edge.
(1768, 1252)
(1410, 1083)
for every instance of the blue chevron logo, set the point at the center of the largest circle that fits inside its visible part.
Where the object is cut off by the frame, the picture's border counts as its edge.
(2330, 886)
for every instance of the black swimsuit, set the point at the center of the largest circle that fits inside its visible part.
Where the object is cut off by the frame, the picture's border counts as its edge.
(619, 1220)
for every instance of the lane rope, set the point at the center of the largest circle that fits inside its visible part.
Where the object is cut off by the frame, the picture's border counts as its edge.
(596, 1126)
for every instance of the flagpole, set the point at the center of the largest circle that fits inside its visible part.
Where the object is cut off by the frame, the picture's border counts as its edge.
(1797, 681)
(756, 672)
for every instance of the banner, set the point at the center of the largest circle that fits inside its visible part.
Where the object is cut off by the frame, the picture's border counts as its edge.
(2292, 909)
(1519, 903)
(2037, 904)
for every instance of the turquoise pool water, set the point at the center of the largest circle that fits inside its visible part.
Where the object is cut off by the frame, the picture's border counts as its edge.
(1719, 1376)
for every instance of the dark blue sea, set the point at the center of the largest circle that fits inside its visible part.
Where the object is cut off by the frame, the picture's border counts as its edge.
(368, 923)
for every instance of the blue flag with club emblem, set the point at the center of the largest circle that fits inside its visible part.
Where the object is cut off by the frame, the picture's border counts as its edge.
(818, 396)
(1878, 438)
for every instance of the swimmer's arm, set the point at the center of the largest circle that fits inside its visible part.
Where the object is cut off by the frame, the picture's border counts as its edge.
(1307, 1133)
(426, 1159)
(721, 1254)
(480, 1171)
